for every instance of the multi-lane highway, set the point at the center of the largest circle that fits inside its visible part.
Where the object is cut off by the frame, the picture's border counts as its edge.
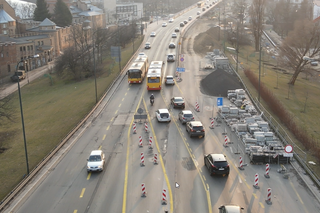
(67, 187)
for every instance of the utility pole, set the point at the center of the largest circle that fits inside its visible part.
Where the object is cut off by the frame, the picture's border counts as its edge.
(224, 25)
(219, 26)
(237, 48)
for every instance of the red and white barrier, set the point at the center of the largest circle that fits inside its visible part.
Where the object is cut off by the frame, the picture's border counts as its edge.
(267, 171)
(212, 123)
(225, 144)
(140, 141)
(268, 200)
(134, 128)
(142, 159)
(241, 164)
(146, 127)
(144, 192)
(150, 142)
(256, 181)
(164, 196)
(197, 107)
(155, 158)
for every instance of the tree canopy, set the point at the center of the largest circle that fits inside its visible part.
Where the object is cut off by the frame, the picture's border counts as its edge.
(41, 12)
(62, 14)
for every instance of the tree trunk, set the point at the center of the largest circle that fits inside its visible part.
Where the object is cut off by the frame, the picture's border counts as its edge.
(294, 77)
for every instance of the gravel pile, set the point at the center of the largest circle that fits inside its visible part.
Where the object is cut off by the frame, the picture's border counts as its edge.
(218, 83)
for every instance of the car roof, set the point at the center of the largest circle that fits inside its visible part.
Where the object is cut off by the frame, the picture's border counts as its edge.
(218, 157)
(178, 98)
(96, 152)
(186, 112)
(196, 123)
(163, 110)
(169, 76)
(230, 208)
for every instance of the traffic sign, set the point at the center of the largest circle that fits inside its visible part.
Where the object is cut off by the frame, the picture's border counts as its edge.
(220, 101)
(181, 59)
(288, 149)
(180, 69)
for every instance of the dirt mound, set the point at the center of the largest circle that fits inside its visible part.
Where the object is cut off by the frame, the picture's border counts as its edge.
(219, 82)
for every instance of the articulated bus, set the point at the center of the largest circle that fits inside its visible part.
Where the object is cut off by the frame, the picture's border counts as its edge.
(138, 70)
(154, 75)
(200, 4)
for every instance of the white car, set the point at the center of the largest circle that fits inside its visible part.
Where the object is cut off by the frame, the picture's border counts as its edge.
(190, 18)
(95, 162)
(164, 24)
(174, 35)
(142, 54)
(171, 20)
(153, 34)
(170, 80)
(163, 115)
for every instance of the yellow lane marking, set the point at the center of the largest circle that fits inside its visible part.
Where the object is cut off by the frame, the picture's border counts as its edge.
(193, 156)
(262, 206)
(179, 88)
(108, 128)
(125, 187)
(112, 119)
(75, 211)
(204, 178)
(161, 160)
(119, 105)
(116, 112)
(205, 185)
(89, 175)
(255, 196)
(100, 147)
(122, 99)
(82, 192)
(236, 169)
(104, 136)
(125, 94)
(296, 192)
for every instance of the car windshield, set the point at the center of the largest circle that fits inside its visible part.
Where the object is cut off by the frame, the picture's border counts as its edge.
(94, 158)
(164, 115)
(135, 73)
(220, 163)
(169, 78)
(188, 115)
(197, 127)
(178, 99)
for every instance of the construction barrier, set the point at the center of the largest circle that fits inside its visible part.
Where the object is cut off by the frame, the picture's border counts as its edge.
(144, 192)
(256, 181)
(197, 107)
(155, 158)
(164, 196)
(146, 127)
(134, 128)
(140, 141)
(268, 200)
(150, 142)
(212, 123)
(241, 164)
(142, 159)
(267, 171)
(225, 144)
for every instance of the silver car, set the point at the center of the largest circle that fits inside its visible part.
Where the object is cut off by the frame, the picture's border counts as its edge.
(185, 116)
(95, 162)
(163, 115)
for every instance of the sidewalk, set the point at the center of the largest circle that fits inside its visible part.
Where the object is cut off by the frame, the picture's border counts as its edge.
(11, 87)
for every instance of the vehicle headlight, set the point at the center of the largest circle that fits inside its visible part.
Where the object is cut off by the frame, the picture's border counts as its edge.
(100, 166)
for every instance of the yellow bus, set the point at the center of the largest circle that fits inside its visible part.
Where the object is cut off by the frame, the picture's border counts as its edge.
(138, 70)
(154, 75)
(200, 4)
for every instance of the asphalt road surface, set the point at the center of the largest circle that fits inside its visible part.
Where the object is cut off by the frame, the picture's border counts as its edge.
(67, 187)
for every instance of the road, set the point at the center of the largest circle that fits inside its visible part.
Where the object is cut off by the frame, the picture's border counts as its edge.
(66, 187)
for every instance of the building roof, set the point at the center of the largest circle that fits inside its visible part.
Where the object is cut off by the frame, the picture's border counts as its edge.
(89, 13)
(6, 39)
(5, 17)
(46, 23)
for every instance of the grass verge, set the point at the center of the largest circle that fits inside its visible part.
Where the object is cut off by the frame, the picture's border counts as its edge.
(50, 112)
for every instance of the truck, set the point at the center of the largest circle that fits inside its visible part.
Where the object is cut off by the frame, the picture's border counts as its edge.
(18, 75)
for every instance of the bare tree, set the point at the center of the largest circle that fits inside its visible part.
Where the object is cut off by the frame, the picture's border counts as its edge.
(23, 9)
(7, 112)
(303, 41)
(256, 12)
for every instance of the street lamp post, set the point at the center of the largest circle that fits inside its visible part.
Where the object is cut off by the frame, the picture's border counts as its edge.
(22, 120)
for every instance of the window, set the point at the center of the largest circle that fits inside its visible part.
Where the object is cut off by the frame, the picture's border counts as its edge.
(5, 32)
(1, 55)
(38, 43)
(20, 49)
(4, 25)
(24, 48)
(41, 42)
(28, 48)
(31, 47)
(9, 70)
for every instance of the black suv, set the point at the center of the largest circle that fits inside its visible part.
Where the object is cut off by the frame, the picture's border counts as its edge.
(195, 128)
(217, 164)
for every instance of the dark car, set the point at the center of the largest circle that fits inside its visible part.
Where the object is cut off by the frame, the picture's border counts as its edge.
(178, 102)
(185, 22)
(170, 58)
(177, 29)
(195, 128)
(181, 24)
(230, 208)
(217, 164)
(172, 45)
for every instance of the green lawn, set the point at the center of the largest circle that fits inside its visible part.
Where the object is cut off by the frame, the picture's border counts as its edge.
(50, 112)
